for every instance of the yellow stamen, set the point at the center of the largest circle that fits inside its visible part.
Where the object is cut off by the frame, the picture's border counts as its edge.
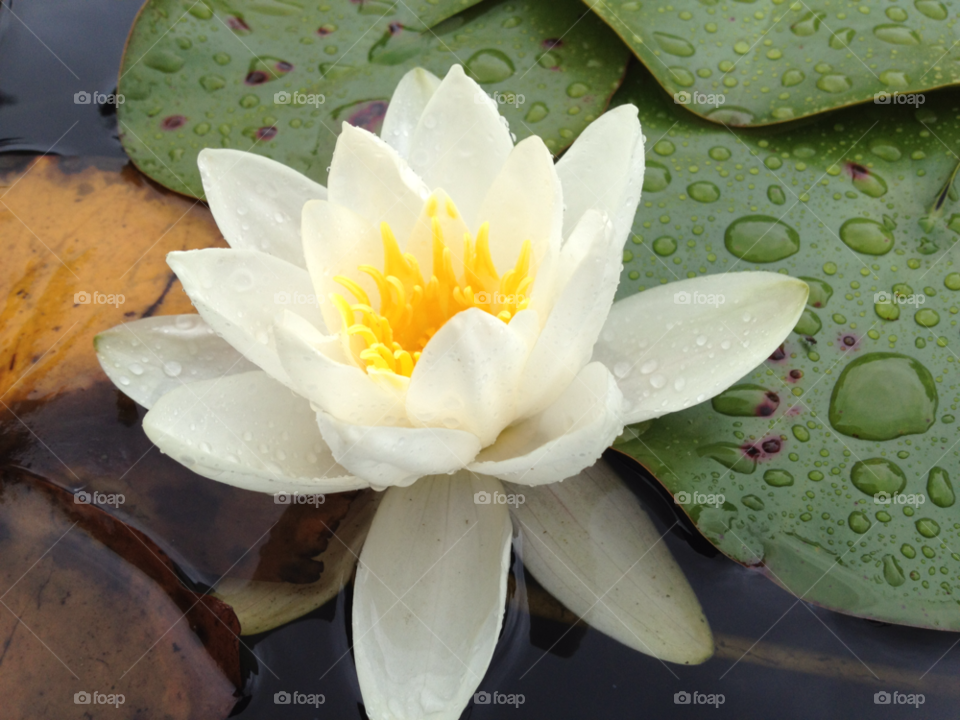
(413, 308)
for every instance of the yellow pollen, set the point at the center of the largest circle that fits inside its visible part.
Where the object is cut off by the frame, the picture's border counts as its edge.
(412, 309)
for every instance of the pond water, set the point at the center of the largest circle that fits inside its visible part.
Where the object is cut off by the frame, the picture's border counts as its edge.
(777, 656)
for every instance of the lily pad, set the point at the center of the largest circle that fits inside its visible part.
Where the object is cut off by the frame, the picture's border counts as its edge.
(282, 85)
(832, 465)
(753, 63)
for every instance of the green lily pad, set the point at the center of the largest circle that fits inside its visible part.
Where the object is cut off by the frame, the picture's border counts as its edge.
(753, 63)
(832, 465)
(255, 76)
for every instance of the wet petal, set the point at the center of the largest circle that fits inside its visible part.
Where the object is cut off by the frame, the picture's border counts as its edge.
(562, 440)
(257, 201)
(248, 431)
(406, 107)
(150, 357)
(588, 541)
(429, 597)
(240, 293)
(679, 344)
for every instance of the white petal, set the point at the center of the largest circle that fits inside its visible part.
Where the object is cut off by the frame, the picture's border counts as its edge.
(318, 373)
(385, 456)
(241, 292)
(677, 345)
(524, 203)
(336, 241)
(248, 431)
(603, 170)
(406, 106)
(591, 545)
(368, 177)
(150, 357)
(460, 143)
(587, 276)
(257, 201)
(562, 440)
(429, 598)
(467, 376)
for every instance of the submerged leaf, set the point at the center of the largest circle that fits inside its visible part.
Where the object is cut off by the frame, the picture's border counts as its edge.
(95, 607)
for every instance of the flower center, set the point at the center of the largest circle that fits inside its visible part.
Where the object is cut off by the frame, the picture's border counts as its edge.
(412, 309)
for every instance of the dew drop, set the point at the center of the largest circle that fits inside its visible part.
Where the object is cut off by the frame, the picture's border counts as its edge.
(866, 236)
(778, 478)
(489, 66)
(674, 45)
(881, 396)
(878, 475)
(761, 239)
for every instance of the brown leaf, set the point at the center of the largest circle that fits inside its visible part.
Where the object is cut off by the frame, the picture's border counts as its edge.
(91, 605)
(69, 227)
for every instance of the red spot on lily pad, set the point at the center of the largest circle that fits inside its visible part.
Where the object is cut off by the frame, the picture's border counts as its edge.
(857, 170)
(764, 449)
(256, 77)
(369, 116)
(173, 122)
(396, 28)
(237, 24)
(551, 43)
(849, 341)
(267, 133)
(778, 354)
(769, 405)
(283, 66)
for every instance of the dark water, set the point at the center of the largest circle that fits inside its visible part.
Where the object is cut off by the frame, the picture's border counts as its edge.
(805, 662)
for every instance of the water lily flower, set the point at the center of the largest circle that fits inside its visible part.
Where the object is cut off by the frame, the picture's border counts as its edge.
(439, 322)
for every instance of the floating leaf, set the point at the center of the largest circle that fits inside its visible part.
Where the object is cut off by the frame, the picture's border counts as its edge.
(834, 459)
(754, 63)
(261, 605)
(283, 86)
(95, 614)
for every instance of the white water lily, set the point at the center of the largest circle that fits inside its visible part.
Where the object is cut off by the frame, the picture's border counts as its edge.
(436, 322)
